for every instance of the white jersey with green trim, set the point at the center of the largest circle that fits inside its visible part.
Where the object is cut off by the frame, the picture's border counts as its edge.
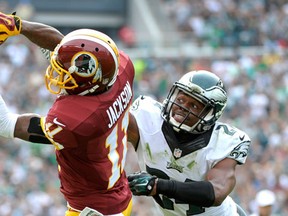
(155, 156)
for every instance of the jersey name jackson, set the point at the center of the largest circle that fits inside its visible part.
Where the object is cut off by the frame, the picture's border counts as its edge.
(119, 105)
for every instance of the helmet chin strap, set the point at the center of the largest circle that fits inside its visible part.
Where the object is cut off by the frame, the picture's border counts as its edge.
(73, 69)
(89, 91)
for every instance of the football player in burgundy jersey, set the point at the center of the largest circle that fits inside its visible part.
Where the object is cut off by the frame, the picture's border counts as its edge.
(88, 122)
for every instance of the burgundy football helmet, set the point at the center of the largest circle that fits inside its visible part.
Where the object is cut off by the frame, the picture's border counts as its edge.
(85, 62)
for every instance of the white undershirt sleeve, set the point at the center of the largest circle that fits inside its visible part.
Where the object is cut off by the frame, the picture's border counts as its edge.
(7, 120)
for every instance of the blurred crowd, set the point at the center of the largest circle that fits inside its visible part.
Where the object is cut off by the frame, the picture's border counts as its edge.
(257, 97)
(231, 23)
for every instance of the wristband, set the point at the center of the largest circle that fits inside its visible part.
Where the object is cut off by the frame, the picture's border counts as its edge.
(196, 193)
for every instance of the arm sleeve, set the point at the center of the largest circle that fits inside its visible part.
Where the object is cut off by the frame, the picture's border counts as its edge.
(36, 133)
(196, 193)
(7, 120)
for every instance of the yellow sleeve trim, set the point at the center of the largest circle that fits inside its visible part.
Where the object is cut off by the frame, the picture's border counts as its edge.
(49, 134)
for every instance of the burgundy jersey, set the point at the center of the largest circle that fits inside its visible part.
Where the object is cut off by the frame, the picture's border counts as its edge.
(90, 136)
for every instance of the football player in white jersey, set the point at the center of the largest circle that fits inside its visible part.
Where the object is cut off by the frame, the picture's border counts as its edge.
(188, 158)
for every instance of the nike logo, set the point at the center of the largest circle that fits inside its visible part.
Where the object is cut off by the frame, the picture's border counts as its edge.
(242, 137)
(55, 121)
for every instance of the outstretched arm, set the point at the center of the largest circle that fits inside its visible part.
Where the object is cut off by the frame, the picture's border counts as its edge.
(40, 34)
(26, 126)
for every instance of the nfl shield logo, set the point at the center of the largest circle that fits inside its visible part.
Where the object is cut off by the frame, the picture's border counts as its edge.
(177, 152)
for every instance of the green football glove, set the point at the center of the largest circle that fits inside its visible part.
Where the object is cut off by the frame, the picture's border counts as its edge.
(10, 25)
(141, 183)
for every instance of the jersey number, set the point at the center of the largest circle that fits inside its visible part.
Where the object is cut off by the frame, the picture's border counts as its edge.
(116, 143)
(112, 143)
(166, 202)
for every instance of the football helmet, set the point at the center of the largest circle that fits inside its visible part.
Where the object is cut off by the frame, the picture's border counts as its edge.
(205, 87)
(85, 62)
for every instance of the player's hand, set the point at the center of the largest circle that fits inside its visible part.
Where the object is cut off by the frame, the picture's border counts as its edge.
(141, 183)
(10, 25)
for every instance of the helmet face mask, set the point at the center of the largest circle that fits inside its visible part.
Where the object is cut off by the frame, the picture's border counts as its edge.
(204, 87)
(85, 62)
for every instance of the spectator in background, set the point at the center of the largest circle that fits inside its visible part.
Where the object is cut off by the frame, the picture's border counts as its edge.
(231, 23)
(265, 200)
(127, 36)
